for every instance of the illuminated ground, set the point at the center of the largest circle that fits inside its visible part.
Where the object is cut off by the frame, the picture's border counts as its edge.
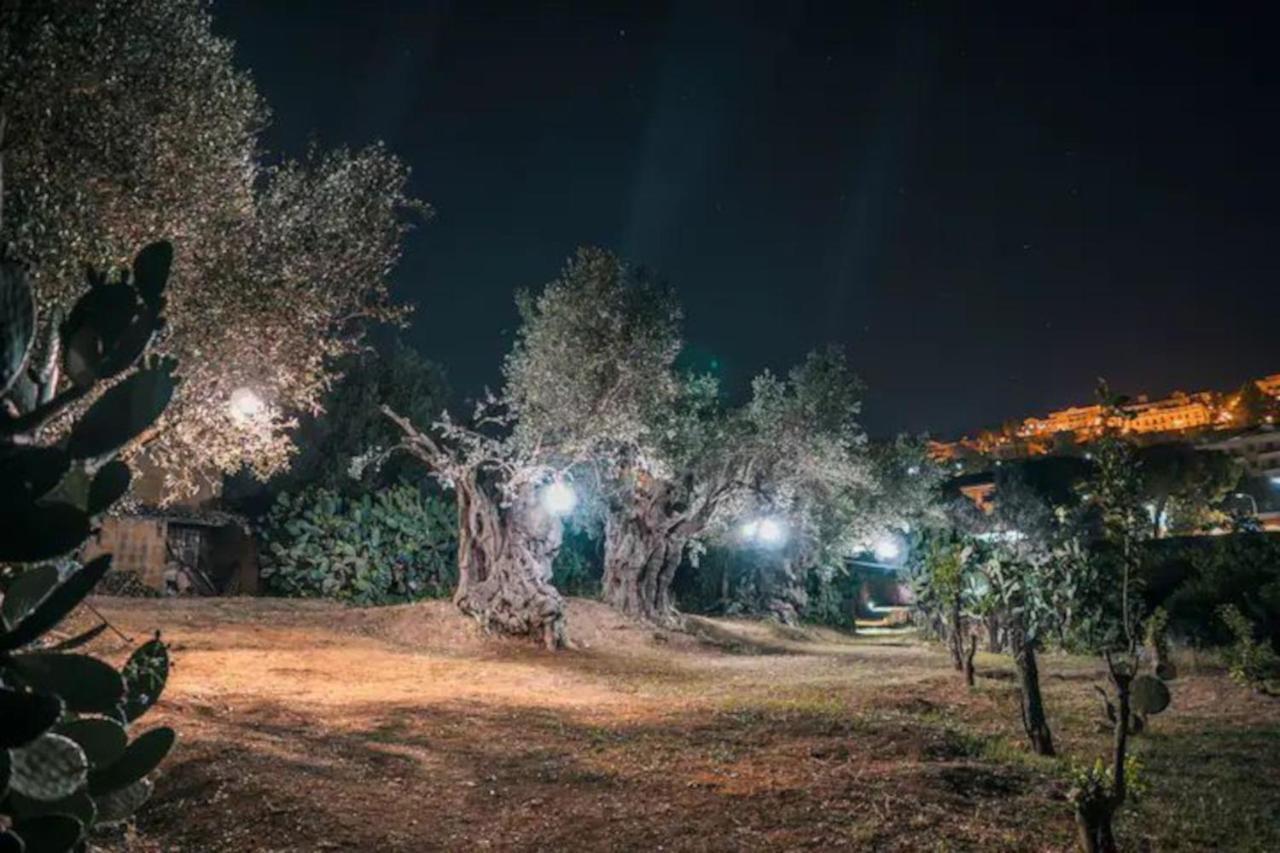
(313, 727)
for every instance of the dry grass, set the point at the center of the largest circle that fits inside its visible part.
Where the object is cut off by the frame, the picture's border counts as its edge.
(309, 726)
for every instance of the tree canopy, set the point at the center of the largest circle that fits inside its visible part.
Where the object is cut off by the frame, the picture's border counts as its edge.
(127, 121)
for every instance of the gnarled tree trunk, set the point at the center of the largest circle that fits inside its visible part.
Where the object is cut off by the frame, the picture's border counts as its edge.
(504, 565)
(645, 540)
(641, 556)
(783, 592)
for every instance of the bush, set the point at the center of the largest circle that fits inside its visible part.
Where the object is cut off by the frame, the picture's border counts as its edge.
(1242, 570)
(1252, 663)
(389, 546)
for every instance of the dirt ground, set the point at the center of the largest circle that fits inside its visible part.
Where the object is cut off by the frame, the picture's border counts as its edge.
(310, 726)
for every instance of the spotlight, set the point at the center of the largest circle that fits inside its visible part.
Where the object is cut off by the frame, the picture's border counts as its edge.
(887, 549)
(245, 405)
(559, 498)
(771, 531)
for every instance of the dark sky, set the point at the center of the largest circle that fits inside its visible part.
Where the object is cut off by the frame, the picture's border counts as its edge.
(987, 208)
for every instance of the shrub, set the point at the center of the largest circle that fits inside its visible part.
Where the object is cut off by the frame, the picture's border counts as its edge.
(1252, 663)
(393, 545)
(1242, 570)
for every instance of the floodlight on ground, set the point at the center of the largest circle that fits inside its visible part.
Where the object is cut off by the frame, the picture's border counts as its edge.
(559, 498)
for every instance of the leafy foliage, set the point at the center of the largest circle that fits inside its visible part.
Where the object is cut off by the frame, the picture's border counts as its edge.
(1241, 570)
(388, 546)
(1252, 663)
(389, 373)
(591, 364)
(129, 120)
(577, 566)
(67, 759)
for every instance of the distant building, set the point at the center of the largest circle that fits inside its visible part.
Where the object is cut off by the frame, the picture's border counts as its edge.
(1270, 385)
(1179, 414)
(982, 494)
(1258, 449)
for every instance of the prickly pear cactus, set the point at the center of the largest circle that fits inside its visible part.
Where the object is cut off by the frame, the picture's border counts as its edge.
(66, 761)
(1148, 695)
(51, 767)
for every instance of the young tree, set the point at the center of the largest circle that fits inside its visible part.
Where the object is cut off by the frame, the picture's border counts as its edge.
(1019, 539)
(128, 121)
(1115, 496)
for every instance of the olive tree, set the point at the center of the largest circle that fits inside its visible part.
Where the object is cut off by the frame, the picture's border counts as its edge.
(128, 121)
(591, 360)
(793, 450)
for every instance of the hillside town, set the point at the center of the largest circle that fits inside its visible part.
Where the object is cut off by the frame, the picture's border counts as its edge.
(1240, 422)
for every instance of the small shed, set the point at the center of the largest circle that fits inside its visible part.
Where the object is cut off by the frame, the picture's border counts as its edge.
(180, 553)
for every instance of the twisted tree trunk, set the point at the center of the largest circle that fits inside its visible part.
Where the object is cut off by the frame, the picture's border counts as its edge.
(783, 593)
(641, 555)
(504, 565)
(645, 538)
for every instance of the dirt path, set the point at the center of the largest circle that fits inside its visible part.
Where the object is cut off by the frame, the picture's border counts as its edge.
(309, 726)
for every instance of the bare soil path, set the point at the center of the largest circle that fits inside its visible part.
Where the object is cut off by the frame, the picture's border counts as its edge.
(310, 726)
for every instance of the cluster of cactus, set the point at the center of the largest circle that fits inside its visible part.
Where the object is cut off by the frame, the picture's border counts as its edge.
(391, 546)
(66, 761)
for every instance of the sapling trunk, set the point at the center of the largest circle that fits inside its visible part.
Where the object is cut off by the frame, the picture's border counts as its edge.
(992, 621)
(956, 637)
(1033, 717)
(969, 675)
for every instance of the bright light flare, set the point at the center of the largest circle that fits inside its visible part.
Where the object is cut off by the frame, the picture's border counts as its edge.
(769, 532)
(887, 549)
(559, 498)
(245, 405)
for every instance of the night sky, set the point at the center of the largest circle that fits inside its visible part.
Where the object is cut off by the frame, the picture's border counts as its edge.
(987, 208)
